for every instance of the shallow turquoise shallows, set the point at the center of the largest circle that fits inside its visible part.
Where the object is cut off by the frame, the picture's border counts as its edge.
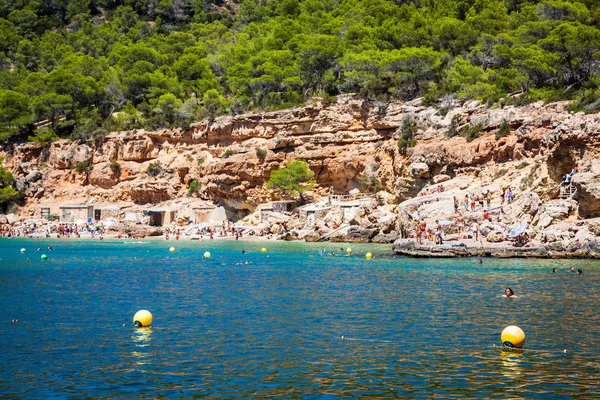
(259, 325)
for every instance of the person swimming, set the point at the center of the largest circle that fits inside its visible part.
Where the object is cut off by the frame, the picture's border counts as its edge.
(554, 270)
(508, 292)
(479, 261)
(579, 271)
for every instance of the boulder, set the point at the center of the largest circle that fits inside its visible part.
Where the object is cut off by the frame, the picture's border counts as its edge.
(441, 178)
(138, 150)
(33, 176)
(588, 194)
(135, 229)
(103, 176)
(3, 219)
(334, 217)
(385, 238)
(312, 236)
(360, 235)
(418, 170)
(495, 237)
(486, 228)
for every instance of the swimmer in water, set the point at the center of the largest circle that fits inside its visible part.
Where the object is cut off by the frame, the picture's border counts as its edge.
(479, 261)
(554, 270)
(579, 271)
(508, 292)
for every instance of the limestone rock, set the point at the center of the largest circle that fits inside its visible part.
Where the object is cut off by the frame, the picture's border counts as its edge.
(418, 170)
(495, 237)
(385, 238)
(103, 176)
(360, 235)
(33, 176)
(588, 194)
(135, 229)
(441, 178)
(138, 150)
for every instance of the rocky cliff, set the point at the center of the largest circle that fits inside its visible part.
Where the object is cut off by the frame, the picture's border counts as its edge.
(350, 144)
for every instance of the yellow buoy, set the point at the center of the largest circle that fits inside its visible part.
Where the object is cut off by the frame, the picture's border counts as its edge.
(172, 249)
(206, 254)
(142, 318)
(368, 256)
(513, 336)
(263, 250)
(348, 250)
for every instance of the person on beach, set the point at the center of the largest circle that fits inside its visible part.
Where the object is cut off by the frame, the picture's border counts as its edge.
(421, 229)
(509, 195)
(455, 205)
(460, 222)
(508, 292)
(475, 230)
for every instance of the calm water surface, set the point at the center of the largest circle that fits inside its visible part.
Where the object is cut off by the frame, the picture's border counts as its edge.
(259, 325)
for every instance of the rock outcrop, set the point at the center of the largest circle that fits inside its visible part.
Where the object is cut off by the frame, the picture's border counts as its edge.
(351, 144)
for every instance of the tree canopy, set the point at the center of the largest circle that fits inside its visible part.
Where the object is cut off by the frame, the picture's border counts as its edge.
(80, 67)
(294, 178)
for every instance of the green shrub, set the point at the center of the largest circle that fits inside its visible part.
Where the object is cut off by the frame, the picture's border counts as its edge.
(407, 132)
(200, 161)
(503, 130)
(453, 128)
(154, 169)
(44, 137)
(471, 132)
(227, 153)
(84, 166)
(260, 153)
(194, 187)
(115, 167)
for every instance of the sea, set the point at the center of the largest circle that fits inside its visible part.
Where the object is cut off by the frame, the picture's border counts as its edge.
(299, 320)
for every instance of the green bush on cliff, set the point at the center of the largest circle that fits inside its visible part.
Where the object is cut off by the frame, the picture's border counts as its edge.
(194, 187)
(503, 130)
(295, 178)
(154, 168)
(8, 194)
(44, 137)
(407, 133)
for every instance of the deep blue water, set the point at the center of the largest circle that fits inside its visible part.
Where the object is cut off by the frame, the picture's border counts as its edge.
(259, 325)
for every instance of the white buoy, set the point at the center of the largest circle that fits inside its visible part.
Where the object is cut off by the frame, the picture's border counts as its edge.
(23, 250)
(206, 254)
(172, 249)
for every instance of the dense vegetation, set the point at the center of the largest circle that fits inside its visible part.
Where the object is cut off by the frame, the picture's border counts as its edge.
(81, 68)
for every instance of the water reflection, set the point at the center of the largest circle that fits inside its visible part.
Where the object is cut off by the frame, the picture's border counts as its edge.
(511, 363)
(142, 339)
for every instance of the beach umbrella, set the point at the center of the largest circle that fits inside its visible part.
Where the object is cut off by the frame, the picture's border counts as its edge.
(239, 228)
(517, 230)
(446, 223)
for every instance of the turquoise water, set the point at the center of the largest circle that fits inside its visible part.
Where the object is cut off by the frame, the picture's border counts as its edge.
(259, 325)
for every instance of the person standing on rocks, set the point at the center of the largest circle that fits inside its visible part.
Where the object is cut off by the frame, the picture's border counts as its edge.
(475, 230)
(455, 205)
(422, 230)
(460, 223)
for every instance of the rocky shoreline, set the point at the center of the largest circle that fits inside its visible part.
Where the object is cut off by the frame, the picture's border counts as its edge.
(408, 247)
(351, 146)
